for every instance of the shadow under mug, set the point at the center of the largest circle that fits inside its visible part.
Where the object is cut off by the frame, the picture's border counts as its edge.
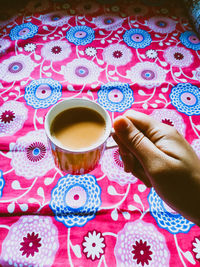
(78, 161)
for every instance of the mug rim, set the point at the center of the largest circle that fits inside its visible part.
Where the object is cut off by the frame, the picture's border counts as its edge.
(83, 150)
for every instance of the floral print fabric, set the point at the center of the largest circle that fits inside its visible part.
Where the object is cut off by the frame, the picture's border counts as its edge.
(136, 249)
(141, 55)
(76, 199)
(31, 240)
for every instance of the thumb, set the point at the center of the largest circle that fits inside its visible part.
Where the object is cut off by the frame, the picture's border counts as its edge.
(135, 141)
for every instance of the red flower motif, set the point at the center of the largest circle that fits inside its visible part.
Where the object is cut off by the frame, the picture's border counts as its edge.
(118, 159)
(7, 116)
(142, 252)
(36, 151)
(117, 54)
(30, 244)
(168, 122)
(56, 49)
(178, 56)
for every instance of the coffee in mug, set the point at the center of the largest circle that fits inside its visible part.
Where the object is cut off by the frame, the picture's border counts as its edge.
(78, 128)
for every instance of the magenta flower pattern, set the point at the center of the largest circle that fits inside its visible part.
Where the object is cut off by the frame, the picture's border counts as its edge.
(30, 244)
(117, 55)
(13, 115)
(171, 118)
(113, 167)
(140, 55)
(56, 50)
(30, 240)
(147, 74)
(142, 252)
(31, 156)
(178, 56)
(55, 19)
(108, 22)
(16, 68)
(140, 244)
(161, 24)
(81, 71)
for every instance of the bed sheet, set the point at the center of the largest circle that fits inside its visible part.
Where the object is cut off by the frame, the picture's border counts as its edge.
(140, 55)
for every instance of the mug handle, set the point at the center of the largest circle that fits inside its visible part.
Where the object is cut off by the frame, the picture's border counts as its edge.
(111, 146)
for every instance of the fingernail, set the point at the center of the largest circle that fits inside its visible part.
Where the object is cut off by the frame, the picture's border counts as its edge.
(121, 124)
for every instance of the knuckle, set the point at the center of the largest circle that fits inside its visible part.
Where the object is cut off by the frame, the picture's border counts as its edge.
(169, 130)
(136, 139)
(173, 131)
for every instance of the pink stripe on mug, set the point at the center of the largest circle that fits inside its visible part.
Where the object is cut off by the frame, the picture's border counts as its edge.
(78, 161)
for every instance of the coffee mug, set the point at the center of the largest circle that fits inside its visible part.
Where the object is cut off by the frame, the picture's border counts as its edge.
(77, 161)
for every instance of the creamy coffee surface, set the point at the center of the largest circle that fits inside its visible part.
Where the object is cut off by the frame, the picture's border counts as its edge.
(78, 128)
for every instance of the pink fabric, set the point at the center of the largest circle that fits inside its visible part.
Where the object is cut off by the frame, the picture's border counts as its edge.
(123, 55)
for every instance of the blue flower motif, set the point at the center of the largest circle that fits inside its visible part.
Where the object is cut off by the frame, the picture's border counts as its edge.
(137, 38)
(23, 31)
(80, 35)
(185, 97)
(165, 217)
(190, 40)
(75, 199)
(2, 183)
(115, 96)
(42, 93)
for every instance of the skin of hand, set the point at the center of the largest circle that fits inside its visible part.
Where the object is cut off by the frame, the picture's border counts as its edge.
(158, 155)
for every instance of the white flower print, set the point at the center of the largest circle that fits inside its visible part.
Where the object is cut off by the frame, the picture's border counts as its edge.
(94, 245)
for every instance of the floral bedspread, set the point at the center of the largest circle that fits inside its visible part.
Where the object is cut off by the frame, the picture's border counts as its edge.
(123, 55)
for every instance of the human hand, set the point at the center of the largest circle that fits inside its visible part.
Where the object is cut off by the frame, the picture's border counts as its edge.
(160, 157)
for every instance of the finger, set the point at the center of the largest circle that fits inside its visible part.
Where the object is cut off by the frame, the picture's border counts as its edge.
(135, 141)
(117, 140)
(131, 164)
(142, 121)
(127, 161)
(123, 152)
(163, 136)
